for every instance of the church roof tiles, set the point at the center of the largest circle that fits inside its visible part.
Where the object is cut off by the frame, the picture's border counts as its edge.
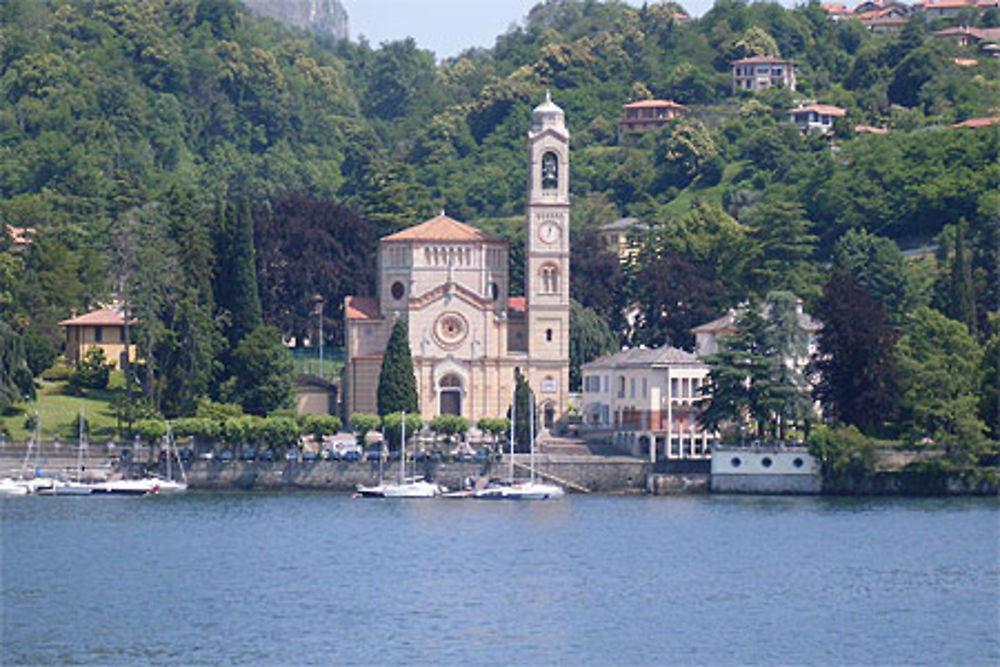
(442, 228)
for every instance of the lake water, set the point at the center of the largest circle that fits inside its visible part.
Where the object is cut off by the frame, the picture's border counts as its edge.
(325, 579)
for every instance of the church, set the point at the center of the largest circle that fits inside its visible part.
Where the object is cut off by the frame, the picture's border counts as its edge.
(451, 282)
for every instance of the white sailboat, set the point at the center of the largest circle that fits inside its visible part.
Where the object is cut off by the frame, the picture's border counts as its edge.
(152, 485)
(74, 487)
(523, 490)
(22, 485)
(412, 487)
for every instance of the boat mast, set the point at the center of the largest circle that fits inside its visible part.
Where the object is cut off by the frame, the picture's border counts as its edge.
(79, 449)
(513, 426)
(402, 448)
(531, 427)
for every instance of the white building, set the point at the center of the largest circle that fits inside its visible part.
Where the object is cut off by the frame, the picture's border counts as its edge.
(450, 282)
(815, 117)
(648, 401)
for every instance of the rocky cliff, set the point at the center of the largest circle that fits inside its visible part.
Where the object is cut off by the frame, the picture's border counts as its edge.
(327, 17)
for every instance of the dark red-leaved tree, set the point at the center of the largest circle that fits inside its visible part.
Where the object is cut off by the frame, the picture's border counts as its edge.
(857, 379)
(308, 247)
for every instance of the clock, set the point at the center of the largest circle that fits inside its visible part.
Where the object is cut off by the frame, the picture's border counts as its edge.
(548, 232)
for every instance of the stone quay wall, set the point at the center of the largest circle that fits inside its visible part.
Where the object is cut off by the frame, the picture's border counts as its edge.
(342, 476)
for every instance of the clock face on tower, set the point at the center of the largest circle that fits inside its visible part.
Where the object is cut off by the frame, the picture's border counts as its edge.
(548, 232)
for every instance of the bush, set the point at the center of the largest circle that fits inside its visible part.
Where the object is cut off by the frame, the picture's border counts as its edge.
(844, 454)
(280, 433)
(320, 425)
(150, 430)
(60, 372)
(92, 372)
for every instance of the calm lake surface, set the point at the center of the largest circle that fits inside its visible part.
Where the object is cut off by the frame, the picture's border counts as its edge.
(325, 579)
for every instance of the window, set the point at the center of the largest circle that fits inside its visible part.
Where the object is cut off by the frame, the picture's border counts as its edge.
(549, 275)
(766, 462)
(98, 334)
(606, 384)
(398, 290)
(621, 387)
(644, 387)
(548, 335)
(550, 171)
(494, 291)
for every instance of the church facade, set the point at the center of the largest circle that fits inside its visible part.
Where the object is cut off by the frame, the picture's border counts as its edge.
(451, 283)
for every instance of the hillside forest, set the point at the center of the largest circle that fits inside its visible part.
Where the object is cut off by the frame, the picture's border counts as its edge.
(218, 173)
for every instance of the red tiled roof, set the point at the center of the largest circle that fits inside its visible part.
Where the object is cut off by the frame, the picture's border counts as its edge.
(361, 308)
(642, 104)
(442, 228)
(948, 4)
(822, 109)
(20, 235)
(965, 62)
(868, 129)
(978, 122)
(101, 317)
(517, 303)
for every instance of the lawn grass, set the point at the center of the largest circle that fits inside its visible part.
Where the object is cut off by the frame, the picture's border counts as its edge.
(681, 204)
(58, 411)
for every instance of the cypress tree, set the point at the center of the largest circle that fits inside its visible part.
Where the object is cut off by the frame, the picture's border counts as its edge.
(236, 277)
(963, 296)
(397, 384)
(523, 399)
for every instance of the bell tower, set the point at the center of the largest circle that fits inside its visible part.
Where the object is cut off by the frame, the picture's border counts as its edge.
(546, 274)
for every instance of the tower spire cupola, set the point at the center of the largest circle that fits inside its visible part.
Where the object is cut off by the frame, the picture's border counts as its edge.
(548, 114)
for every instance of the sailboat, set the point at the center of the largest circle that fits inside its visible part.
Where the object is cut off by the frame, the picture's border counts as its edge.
(151, 485)
(413, 487)
(76, 487)
(523, 490)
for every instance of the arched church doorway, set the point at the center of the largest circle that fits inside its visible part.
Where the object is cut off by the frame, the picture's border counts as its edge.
(450, 395)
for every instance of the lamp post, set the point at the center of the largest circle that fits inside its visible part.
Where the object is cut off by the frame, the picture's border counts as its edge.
(319, 310)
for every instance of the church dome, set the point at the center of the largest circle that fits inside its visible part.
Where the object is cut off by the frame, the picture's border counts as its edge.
(547, 114)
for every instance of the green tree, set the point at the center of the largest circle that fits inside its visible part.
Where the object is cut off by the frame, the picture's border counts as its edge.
(786, 246)
(363, 423)
(16, 382)
(449, 426)
(235, 275)
(93, 371)
(589, 338)
(263, 372)
(524, 399)
(989, 392)
(392, 427)
(939, 365)
(397, 384)
(495, 426)
(877, 264)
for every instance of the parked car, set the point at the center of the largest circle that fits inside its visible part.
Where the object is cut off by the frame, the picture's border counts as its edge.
(291, 454)
(207, 456)
(265, 455)
(248, 454)
(352, 455)
(226, 455)
(373, 454)
(309, 455)
(481, 456)
(187, 455)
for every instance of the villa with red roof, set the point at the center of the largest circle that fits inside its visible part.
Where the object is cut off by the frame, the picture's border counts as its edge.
(649, 114)
(103, 328)
(451, 282)
(815, 117)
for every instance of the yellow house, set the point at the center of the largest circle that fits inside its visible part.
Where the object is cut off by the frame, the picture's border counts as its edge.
(103, 328)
